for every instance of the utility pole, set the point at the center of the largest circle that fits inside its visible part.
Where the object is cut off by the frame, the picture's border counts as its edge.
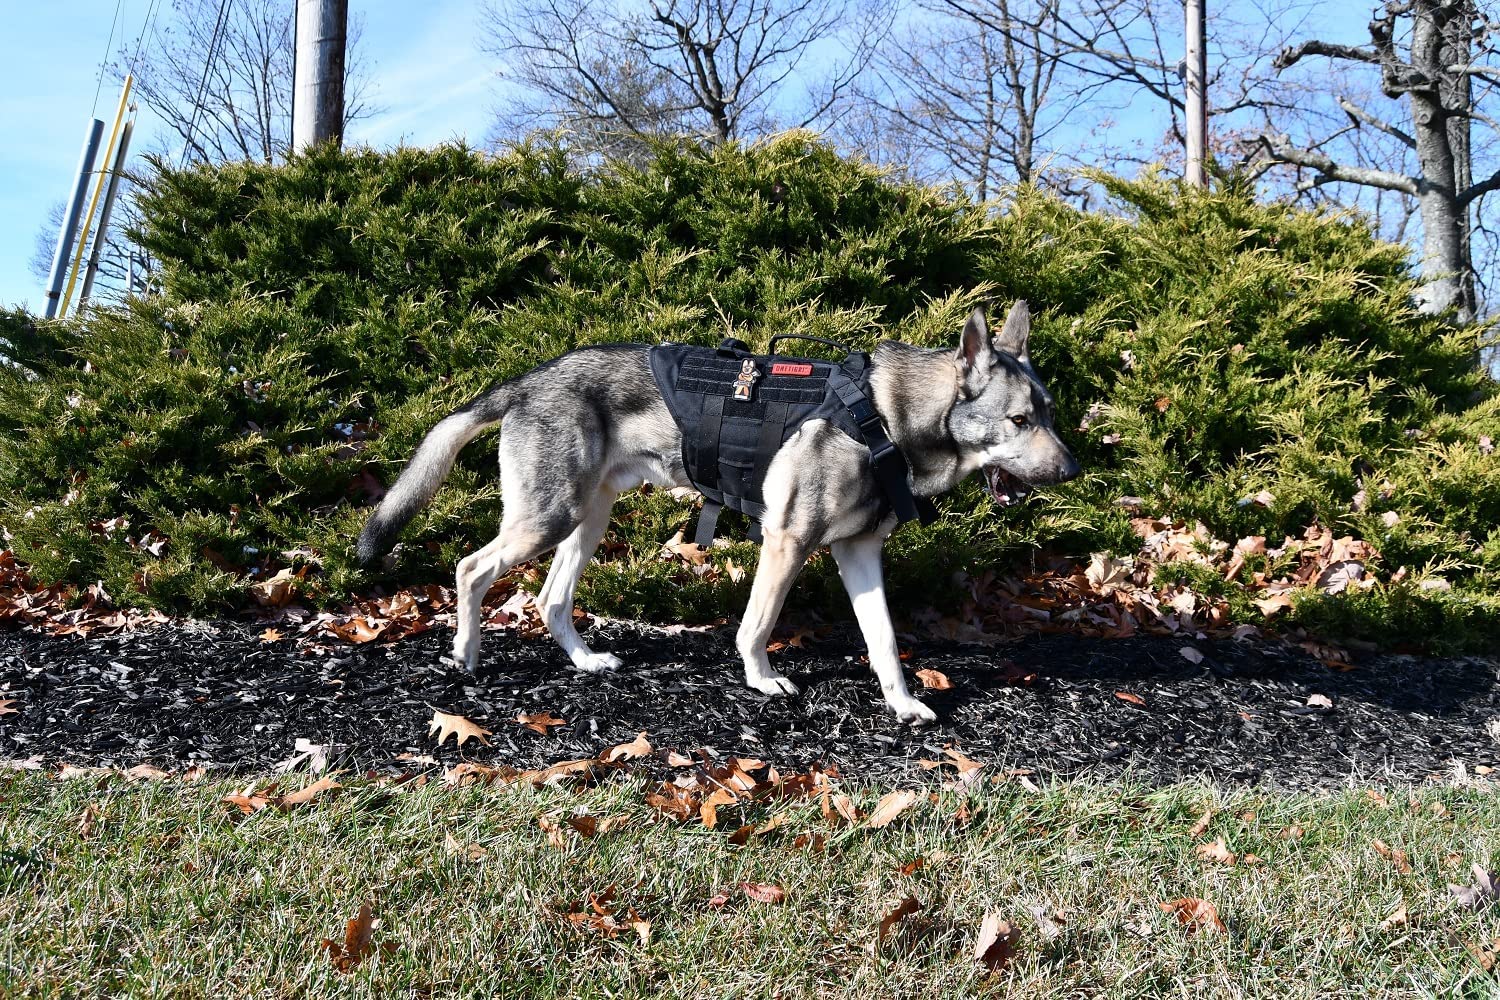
(116, 172)
(318, 80)
(64, 250)
(1197, 93)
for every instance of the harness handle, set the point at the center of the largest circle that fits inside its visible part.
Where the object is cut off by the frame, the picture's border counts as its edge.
(771, 347)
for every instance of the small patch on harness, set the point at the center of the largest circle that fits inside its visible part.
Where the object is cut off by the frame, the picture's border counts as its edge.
(787, 368)
(746, 380)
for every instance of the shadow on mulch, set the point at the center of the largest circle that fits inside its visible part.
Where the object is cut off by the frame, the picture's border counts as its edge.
(215, 693)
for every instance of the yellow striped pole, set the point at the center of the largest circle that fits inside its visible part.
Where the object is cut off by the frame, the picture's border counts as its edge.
(88, 220)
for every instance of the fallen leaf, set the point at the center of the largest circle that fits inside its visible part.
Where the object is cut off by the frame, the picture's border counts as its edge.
(902, 910)
(305, 795)
(763, 893)
(1483, 891)
(997, 943)
(540, 722)
(936, 680)
(8, 706)
(1191, 655)
(358, 943)
(638, 747)
(1396, 918)
(1293, 832)
(249, 801)
(891, 805)
(554, 832)
(457, 848)
(445, 725)
(1394, 855)
(146, 772)
(1216, 852)
(271, 635)
(910, 866)
(718, 899)
(1134, 699)
(1319, 701)
(1194, 914)
(88, 821)
(1199, 828)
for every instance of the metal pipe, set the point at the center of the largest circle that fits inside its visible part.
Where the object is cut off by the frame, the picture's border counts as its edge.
(69, 228)
(1197, 96)
(88, 219)
(109, 206)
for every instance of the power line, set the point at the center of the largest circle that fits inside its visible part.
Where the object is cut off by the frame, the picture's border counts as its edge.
(146, 25)
(208, 65)
(104, 63)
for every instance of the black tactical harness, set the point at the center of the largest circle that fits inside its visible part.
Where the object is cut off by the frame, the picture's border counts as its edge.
(735, 409)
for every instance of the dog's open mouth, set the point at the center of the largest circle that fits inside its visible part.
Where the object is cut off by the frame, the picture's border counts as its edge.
(1005, 489)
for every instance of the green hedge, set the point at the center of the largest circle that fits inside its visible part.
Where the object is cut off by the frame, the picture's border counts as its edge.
(317, 318)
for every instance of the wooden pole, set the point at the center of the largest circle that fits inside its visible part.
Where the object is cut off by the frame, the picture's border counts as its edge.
(1197, 93)
(318, 80)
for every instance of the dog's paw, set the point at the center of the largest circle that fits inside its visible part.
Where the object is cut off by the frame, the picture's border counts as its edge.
(771, 683)
(912, 712)
(465, 656)
(596, 663)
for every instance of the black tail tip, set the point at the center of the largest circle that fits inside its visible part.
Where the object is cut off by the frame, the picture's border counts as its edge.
(371, 546)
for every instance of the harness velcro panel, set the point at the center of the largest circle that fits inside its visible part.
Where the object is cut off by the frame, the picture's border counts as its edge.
(728, 443)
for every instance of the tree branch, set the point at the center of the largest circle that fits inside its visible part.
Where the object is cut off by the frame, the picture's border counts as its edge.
(1280, 147)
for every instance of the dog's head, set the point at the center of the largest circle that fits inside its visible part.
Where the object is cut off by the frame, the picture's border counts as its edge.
(1002, 420)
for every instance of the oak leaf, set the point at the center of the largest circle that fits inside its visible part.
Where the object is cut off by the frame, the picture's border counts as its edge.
(902, 910)
(1195, 914)
(305, 795)
(460, 728)
(891, 805)
(762, 892)
(638, 747)
(997, 943)
(540, 722)
(357, 943)
(935, 680)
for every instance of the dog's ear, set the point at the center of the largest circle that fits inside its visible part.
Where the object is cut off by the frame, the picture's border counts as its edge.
(974, 346)
(1012, 337)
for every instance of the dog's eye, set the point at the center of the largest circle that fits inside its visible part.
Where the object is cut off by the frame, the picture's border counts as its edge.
(1019, 420)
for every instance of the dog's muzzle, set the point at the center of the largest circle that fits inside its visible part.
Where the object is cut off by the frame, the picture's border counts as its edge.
(1005, 489)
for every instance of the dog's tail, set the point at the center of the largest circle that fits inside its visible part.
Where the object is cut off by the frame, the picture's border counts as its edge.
(428, 467)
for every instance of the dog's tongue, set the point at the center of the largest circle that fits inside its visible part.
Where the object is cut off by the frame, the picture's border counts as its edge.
(1004, 488)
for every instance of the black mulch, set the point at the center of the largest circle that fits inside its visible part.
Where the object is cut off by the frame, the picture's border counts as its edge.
(215, 693)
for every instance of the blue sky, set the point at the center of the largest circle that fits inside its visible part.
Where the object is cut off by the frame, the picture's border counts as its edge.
(432, 84)
(428, 78)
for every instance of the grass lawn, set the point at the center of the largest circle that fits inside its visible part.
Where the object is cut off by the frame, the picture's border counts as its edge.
(161, 888)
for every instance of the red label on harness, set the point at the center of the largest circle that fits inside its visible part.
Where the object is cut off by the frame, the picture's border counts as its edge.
(786, 368)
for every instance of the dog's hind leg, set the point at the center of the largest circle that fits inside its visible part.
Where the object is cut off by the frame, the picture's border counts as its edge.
(476, 571)
(781, 557)
(556, 598)
(859, 567)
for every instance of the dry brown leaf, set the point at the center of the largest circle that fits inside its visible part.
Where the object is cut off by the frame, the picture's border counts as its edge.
(250, 801)
(997, 943)
(1216, 852)
(271, 635)
(838, 806)
(638, 747)
(1195, 914)
(445, 725)
(1394, 855)
(358, 941)
(587, 826)
(763, 893)
(305, 795)
(902, 910)
(554, 832)
(935, 680)
(8, 706)
(458, 848)
(1134, 699)
(1201, 827)
(911, 866)
(88, 821)
(540, 722)
(1396, 918)
(891, 805)
(146, 772)
(1293, 832)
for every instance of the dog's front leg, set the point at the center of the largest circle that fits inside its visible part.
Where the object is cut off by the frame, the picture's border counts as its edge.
(781, 556)
(859, 567)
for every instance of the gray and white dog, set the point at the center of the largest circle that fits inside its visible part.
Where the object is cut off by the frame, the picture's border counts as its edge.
(591, 424)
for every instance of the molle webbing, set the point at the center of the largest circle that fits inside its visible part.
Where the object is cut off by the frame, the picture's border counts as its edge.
(736, 409)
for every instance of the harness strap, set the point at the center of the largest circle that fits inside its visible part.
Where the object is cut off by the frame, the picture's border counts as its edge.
(891, 470)
(772, 430)
(708, 520)
(708, 440)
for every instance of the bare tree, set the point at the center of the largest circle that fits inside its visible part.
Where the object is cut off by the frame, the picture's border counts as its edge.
(1436, 59)
(241, 107)
(717, 69)
(949, 97)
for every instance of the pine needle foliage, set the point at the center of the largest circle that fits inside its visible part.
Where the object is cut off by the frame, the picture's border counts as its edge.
(317, 318)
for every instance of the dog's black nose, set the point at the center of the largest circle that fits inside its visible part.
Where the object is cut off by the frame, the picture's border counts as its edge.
(1069, 469)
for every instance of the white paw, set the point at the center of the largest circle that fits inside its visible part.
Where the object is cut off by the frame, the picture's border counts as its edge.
(911, 711)
(466, 655)
(596, 663)
(771, 683)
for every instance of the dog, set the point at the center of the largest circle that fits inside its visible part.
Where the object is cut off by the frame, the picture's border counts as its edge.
(585, 427)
